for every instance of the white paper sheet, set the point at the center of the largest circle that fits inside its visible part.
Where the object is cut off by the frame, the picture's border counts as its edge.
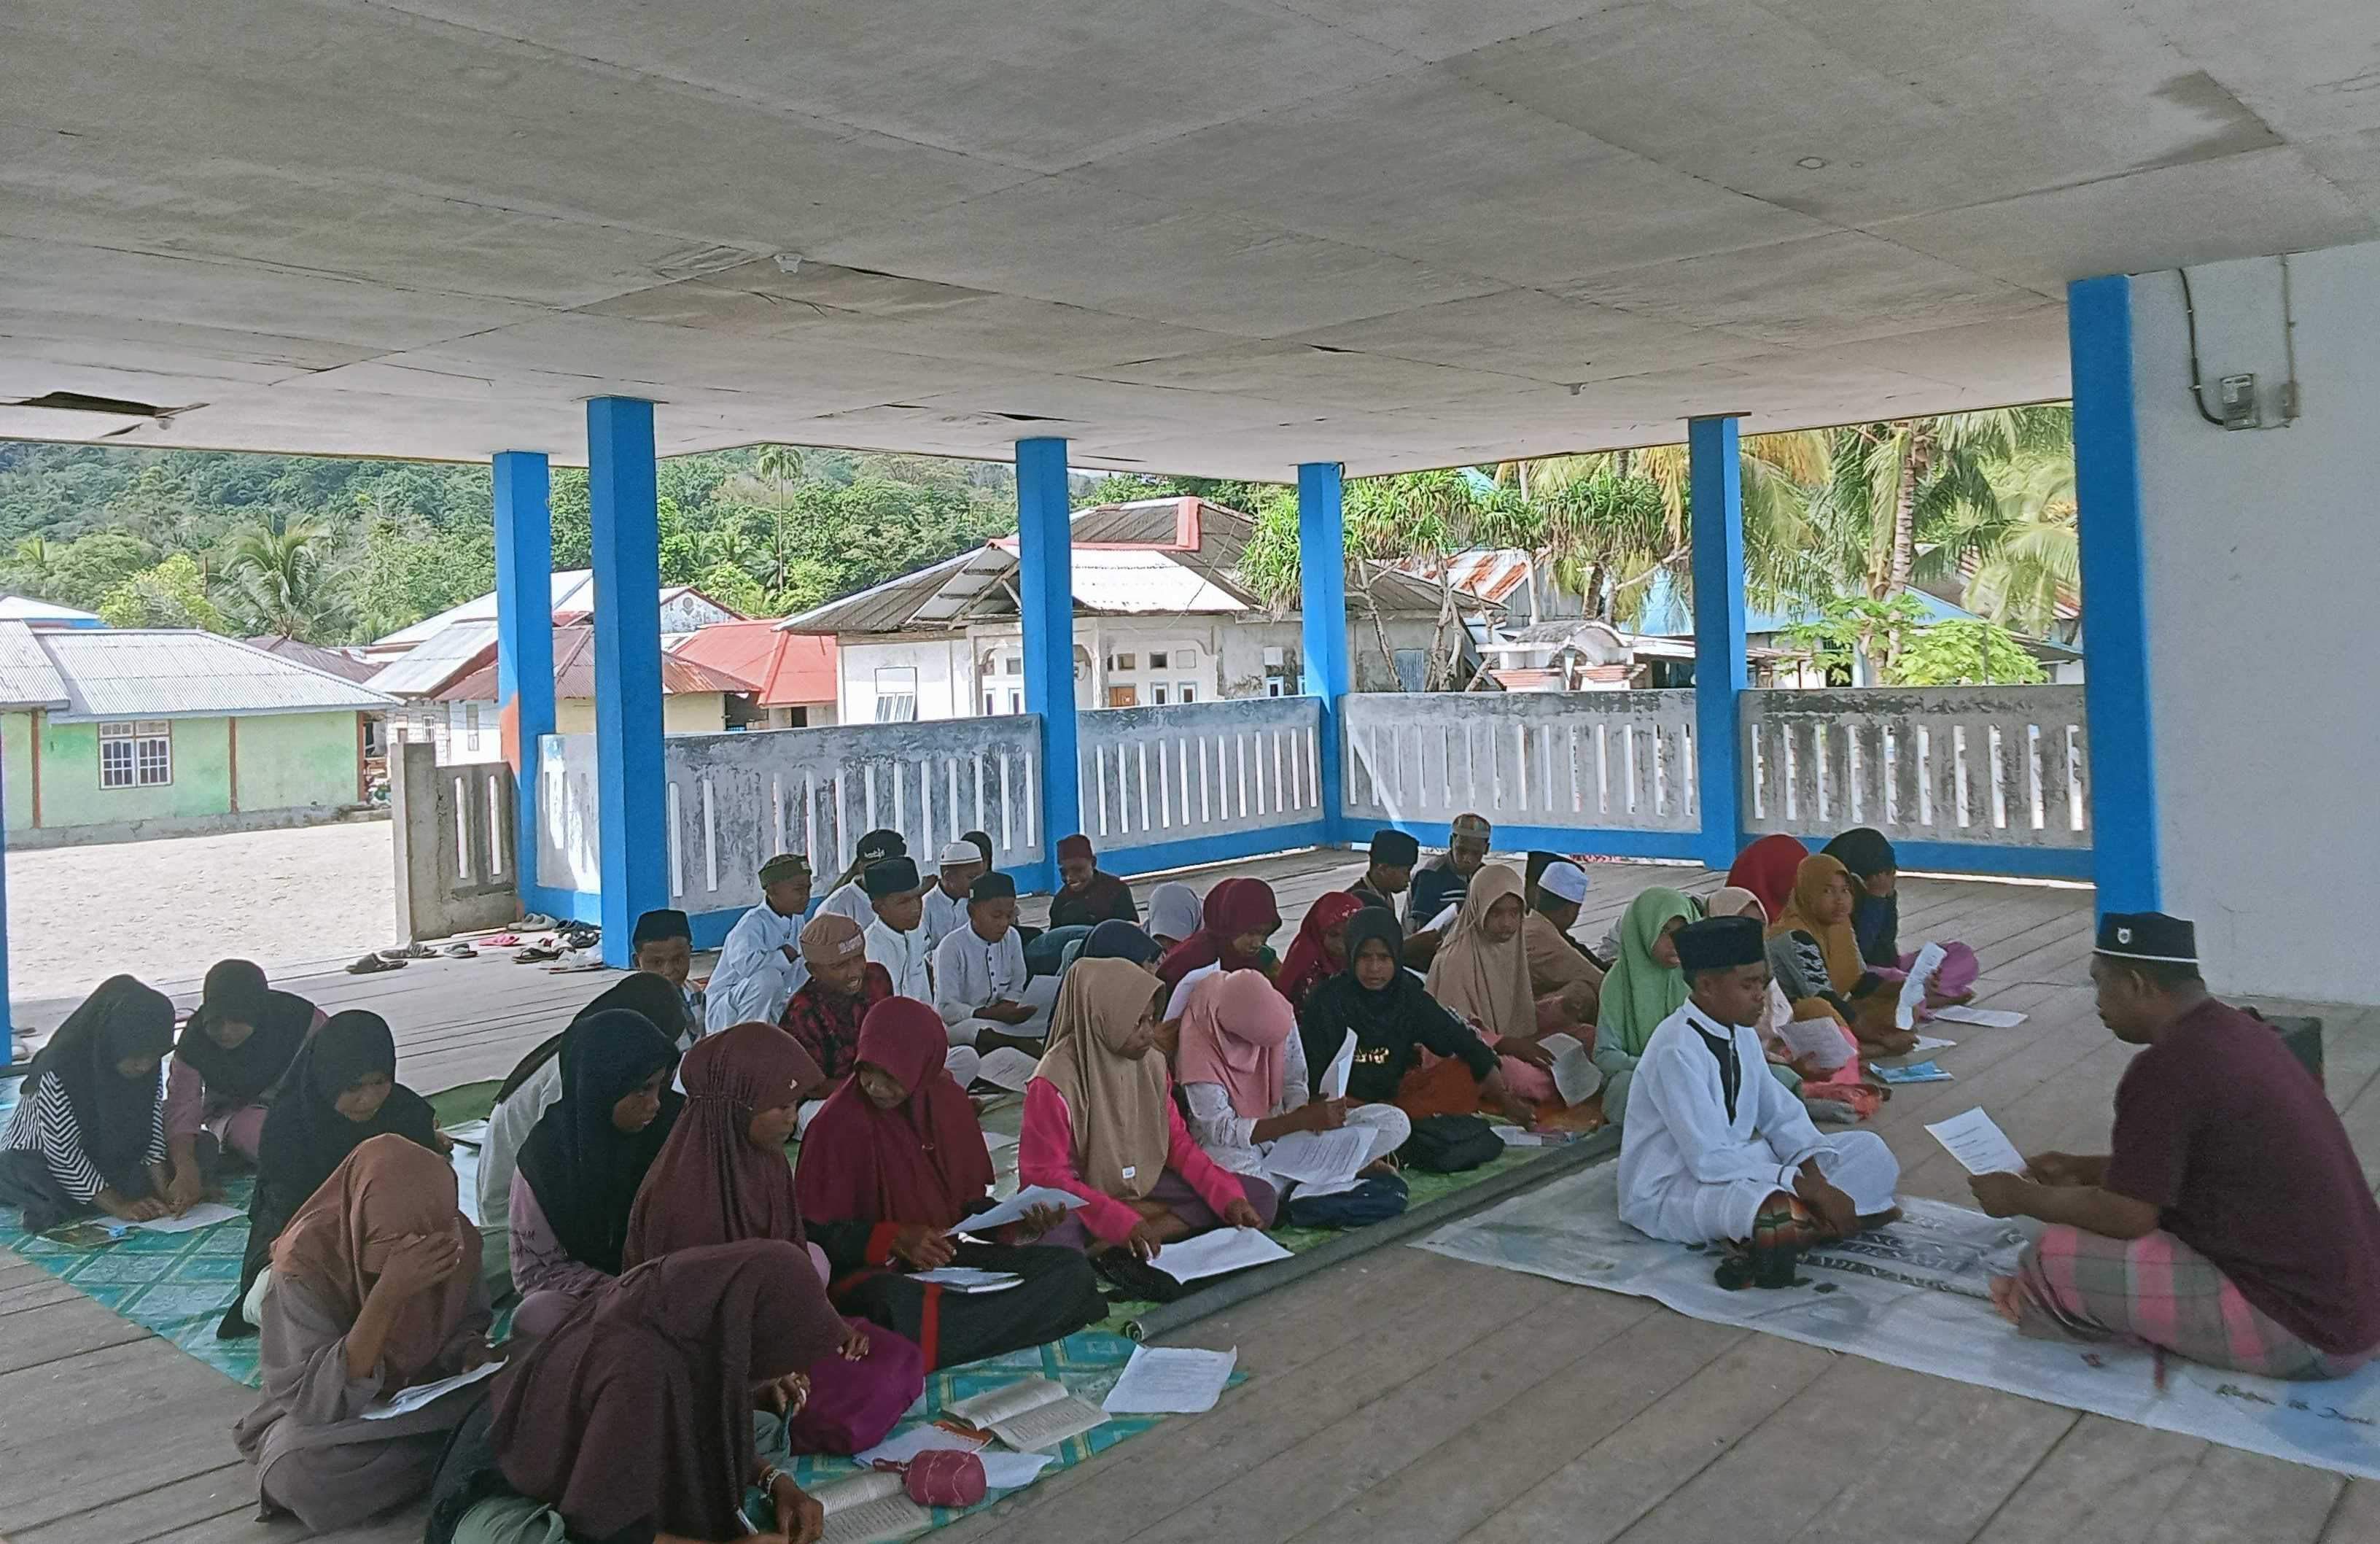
(1172, 1381)
(1576, 1078)
(966, 1279)
(206, 1215)
(1009, 1471)
(1443, 920)
(908, 1444)
(1319, 1156)
(1978, 1143)
(1211, 1253)
(1513, 1136)
(1987, 1018)
(1926, 1043)
(1821, 1037)
(1016, 1206)
(472, 1134)
(1912, 989)
(406, 1400)
(1008, 1068)
(1342, 1068)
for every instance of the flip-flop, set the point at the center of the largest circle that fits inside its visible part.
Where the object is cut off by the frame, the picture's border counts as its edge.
(502, 941)
(537, 921)
(537, 953)
(373, 964)
(408, 952)
(459, 952)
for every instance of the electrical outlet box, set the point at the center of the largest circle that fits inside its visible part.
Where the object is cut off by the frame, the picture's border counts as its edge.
(2235, 401)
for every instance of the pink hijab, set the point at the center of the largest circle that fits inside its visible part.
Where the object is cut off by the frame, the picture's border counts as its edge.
(1233, 1029)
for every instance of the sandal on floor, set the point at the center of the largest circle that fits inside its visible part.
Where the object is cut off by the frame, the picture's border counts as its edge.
(536, 922)
(502, 941)
(409, 952)
(537, 953)
(373, 964)
(459, 952)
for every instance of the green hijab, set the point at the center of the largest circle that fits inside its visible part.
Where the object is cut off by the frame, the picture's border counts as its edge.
(1640, 992)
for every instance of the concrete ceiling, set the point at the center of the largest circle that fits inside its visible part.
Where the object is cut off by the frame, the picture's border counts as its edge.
(1216, 236)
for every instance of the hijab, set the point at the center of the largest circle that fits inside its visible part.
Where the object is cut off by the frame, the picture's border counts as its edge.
(1733, 901)
(584, 1170)
(1395, 1014)
(1232, 1031)
(1123, 1122)
(1116, 939)
(1479, 981)
(1875, 920)
(638, 1409)
(1172, 911)
(1766, 869)
(304, 1136)
(115, 1116)
(279, 1020)
(640, 991)
(1837, 942)
(1232, 907)
(1641, 992)
(384, 1192)
(923, 1160)
(1309, 962)
(710, 1185)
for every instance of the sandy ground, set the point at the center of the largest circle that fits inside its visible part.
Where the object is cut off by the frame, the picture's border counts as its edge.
(165, 910)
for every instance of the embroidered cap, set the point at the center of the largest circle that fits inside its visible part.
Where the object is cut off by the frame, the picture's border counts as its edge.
(783, 867)
(2149, 935)
(1473, 826)
(1565, 878)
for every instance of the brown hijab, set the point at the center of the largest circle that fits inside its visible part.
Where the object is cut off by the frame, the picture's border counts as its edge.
(1476, 979)
(387, 1191)
(1838, 942)
(638, 1409)
(710, 1185)
(1118, 1105)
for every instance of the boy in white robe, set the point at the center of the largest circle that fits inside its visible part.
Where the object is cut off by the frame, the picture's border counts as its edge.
(980, 972)
(895, 939)
(946, 898)
(760, 963)
(1715, 1151)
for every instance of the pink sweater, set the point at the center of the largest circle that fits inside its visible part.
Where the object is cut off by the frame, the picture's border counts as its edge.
(1045, 1155)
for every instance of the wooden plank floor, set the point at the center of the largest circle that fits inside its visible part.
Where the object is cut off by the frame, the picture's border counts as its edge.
(1404, 1398)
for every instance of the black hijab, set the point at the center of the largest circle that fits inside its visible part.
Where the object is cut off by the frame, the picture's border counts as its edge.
(304, 1136)
(1875, 920)
(656, 998)
(114, 1115)
(236, 989)
(1393, 1015)
(585, 1170)
(1118, 940)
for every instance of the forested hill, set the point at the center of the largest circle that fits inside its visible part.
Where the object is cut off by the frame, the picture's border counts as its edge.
(341, 551)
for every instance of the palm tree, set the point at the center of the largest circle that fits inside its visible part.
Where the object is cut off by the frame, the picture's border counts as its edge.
(775, 477)
(2028, 559)
(285, 577)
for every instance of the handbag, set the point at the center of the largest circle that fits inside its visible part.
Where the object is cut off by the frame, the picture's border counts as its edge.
(852, 1404)
(943, 1476)
(1375, 1198)
(1450, 1144)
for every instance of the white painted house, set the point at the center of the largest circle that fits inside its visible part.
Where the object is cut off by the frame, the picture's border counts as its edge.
(1160, 616)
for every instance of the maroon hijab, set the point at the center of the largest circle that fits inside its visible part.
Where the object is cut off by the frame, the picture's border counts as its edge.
(1232, 907)
(710, 1185)
(637, 1408)
(923, 1160)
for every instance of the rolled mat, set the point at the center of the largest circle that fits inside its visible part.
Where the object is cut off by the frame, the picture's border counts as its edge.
(1235, 1290)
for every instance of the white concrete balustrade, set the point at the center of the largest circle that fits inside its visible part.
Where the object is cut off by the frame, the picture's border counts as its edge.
(1619, 760)
(1152, 775)
(2003, 766)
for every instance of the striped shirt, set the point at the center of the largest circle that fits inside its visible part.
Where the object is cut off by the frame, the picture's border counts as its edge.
(44, 1123)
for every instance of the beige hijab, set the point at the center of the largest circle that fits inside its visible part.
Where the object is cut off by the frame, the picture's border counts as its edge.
(1118, 1105)
(1474, 979)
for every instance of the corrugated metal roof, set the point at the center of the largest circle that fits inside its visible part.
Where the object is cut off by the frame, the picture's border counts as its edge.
(574, 672)
(20, 608)
(1488, 573)
(948, 594)
(792, 670)
(331, 661)
(574, 596)
(180, 673)
(27, 679)
(436, 661)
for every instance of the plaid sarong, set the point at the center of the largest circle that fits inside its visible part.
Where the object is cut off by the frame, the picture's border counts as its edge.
(2160, 1292)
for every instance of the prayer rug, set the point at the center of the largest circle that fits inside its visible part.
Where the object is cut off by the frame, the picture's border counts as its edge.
(1916, 1294)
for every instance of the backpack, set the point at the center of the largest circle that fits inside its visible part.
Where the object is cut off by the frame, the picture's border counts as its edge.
(1374, 1199)
(1450, 1144)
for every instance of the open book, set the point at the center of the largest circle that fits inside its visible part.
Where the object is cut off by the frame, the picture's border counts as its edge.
(873, 1508)
(1035, 1413)
(1576, 1078)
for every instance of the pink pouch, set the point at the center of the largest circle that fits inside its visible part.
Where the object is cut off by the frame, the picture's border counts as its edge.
(945, 1476)
(852, 1404)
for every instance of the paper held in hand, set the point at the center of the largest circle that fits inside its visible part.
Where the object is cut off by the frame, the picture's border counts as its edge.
(1035, 1413)
(1014, 1209)
(1212, 1254)
(1912, 988)
(405, 1400)
(1576, 1078)
(1007, 1068)
(1820, 1038)
(1978, 1143)
(1342, 1068)
(1319, 1156)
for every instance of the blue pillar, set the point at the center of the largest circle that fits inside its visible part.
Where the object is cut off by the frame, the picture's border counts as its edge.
(1045, 548)
(632, 796)
(524, 641)
(1715, 504)
(1322, 567)
(2115, 689)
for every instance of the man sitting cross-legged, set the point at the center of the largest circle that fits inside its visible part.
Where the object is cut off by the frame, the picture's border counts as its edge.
(2231, 1224)
(1715, 1150)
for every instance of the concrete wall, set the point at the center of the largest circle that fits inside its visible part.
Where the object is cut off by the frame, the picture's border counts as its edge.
(16, 768)
(293, 760)
(294, 769)
(71, 794)
(2262, 566)
(694, 712)
(945, 685)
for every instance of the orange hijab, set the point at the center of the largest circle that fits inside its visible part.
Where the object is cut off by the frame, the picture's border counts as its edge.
(1837, 942)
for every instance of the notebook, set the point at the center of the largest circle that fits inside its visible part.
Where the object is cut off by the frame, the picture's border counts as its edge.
(873, 1508)
(1035, 1413)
